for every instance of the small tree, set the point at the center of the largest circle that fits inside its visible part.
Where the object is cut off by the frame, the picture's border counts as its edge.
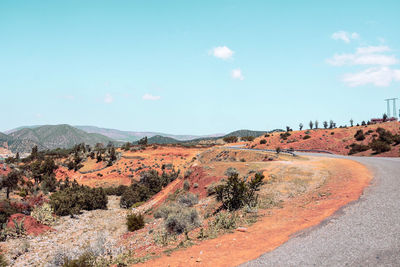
(384, 117)
(351, 122)
(236, 193)
(10, 182)
(301, 126)
(17, 156)
(34, 153)
(143, 141)
(316, 124)
(278, 150)
(311, 124)
(325, 124)
(331, 124)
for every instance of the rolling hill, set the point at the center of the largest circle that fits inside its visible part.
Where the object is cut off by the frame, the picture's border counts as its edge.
(158, 139)
(51, 137)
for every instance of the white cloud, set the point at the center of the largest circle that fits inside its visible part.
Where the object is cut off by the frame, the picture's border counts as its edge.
(378, 76)
(345, 36)
(379, 73)
(151, 97)
(108, 99)
(369, 55)
(222, 52)
(237, 74)
(373, 49)
(362, 59)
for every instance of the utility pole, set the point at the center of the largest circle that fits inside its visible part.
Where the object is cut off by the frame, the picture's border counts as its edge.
(394, 107)
(388, 107)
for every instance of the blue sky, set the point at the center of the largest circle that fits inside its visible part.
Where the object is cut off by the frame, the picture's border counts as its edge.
(196, 66)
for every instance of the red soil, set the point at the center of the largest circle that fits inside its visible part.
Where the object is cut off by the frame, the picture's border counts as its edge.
(346, 184)
(130, 165)
(200, 177)
(31, 225)
(333, 140)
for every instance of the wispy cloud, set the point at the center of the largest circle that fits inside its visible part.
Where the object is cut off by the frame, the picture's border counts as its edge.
(380, 76)
(108, 98)
(151, 97)
(373, 49)
(378, 73)
(362, 59)
(237, 74)
(222, 52)
(345, 36)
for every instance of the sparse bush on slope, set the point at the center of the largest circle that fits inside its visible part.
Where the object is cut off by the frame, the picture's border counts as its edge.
(236, 193)
(178, 218)
(359, 136)
(134, 222)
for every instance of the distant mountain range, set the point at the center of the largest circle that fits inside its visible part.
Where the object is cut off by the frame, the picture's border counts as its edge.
(50, 137)
(22, 139)
(131, 136)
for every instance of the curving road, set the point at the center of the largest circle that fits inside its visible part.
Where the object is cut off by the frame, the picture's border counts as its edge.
(363, 233)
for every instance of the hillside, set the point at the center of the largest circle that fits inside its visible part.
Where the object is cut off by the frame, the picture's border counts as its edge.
(4, 137)
(338, 140)
(243, 133)
(131, 136)
(158, 139)
(51, 137)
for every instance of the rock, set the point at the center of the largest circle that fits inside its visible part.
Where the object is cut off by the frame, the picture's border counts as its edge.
(241, 229)
(198, 260)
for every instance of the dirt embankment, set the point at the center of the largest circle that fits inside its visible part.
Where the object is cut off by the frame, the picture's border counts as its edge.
(338, 140)
(345, 184)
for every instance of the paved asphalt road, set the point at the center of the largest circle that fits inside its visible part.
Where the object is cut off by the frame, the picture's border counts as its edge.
(363, 233)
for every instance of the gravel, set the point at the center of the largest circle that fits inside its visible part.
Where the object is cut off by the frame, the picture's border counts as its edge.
(363, 233)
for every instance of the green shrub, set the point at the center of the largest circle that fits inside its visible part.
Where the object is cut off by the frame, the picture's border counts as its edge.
(385, 136)
(230, 139)
(133, 194)
(72, 200)
(185, 219)
(263, 141)
(306, 137)
(285, 135)
(224, 220)
(117, 191)
(236, 193)
(359, 136)
(87, 259)
(186, 185)
(356, 148)
(247, 138)
(134, 221)
(6, 210)
(44, 214)
(188, 200)
(178, 218)
(379, 146)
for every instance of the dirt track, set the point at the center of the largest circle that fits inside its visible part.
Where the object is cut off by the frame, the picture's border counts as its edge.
(364, 233)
